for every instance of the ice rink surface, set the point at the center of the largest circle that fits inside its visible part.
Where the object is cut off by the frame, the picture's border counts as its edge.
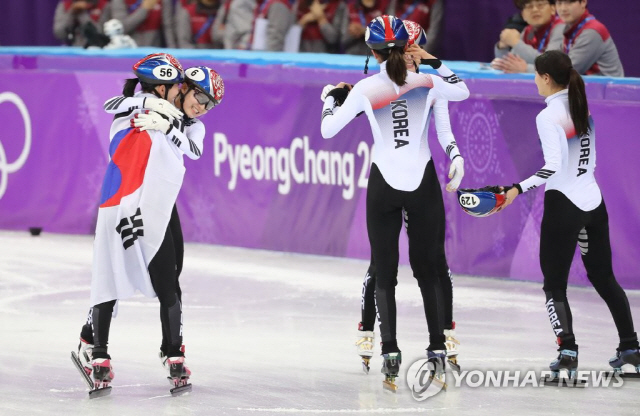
(274, 333)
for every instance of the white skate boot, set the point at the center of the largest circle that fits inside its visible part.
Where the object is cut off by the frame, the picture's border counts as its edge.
(365, 348)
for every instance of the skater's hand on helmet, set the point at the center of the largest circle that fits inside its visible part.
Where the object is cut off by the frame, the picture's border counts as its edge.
(417, 52)
(163, 107)
(456, 172)
(510, 195)
(151, 121)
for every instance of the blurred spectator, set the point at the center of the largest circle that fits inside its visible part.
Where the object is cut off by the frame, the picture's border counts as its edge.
(271, 23)
(147, 21)
(587, 41)
(321, 22)
(239, 22)
(199, 23)
(360, 13)
(117, 39)
(515, 52)
(426, 13)
(72, 16)
(516, 21)
(271, 18)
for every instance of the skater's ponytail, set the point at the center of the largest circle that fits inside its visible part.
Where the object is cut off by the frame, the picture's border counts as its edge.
(558, 66)
(396, 67)
(130, 87)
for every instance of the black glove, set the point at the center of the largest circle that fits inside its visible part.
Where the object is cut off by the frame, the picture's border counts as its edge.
(495, 189)
(340, 94)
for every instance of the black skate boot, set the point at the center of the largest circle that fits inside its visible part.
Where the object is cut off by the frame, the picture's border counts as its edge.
(563, 371)
(84, 362)
(102, 376)
(390, 368)
(630, 359)
(436, 360)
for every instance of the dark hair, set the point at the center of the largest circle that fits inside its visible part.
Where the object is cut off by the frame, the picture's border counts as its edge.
(521, 3)
(558, 66)
(130, 87)
(396, 67)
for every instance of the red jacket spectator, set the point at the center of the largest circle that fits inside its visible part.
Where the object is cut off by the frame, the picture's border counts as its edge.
(360, 14)
(426, 13)
(146, 21)
(71, 16)
(321, 21)
(199, 23)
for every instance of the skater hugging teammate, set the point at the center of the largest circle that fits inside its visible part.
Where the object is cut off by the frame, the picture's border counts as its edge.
(413, 56)
(574, 211)
(402, 182)
(138, 244)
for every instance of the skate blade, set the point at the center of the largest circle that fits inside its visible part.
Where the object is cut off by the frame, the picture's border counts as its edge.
(629, 375)
(438, 381)
(390, 385)
(554, 381)
(80, 367)
(365, 365)
(96, 393)
(453, 363)
(180, 390)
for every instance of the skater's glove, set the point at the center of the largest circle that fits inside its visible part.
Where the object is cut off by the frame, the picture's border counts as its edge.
(325, 91)
(456, 173)
(163, 107)
(340, 93)
(151, 121)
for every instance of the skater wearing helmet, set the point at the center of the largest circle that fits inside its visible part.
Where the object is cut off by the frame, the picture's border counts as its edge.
(138, 245)
(413, 57)
(397, 103)
(574, 212)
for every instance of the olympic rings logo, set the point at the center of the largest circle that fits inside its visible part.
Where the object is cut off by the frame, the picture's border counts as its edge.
(7, 168)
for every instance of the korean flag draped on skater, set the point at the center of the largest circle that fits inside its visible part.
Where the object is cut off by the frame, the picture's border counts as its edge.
(138, 193)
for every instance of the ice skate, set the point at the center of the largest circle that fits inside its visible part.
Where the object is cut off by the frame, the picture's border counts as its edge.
(84, 356)
(83, 362)
(390, 368)
(626, 363)
(102, 376)
(179, 375)
(452, 348)
(563, 371)
(365, 348)
(436, 360)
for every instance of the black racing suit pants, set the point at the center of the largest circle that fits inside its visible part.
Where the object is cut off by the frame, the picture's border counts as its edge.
(564, 225)
(164, 270)
(425, 211)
